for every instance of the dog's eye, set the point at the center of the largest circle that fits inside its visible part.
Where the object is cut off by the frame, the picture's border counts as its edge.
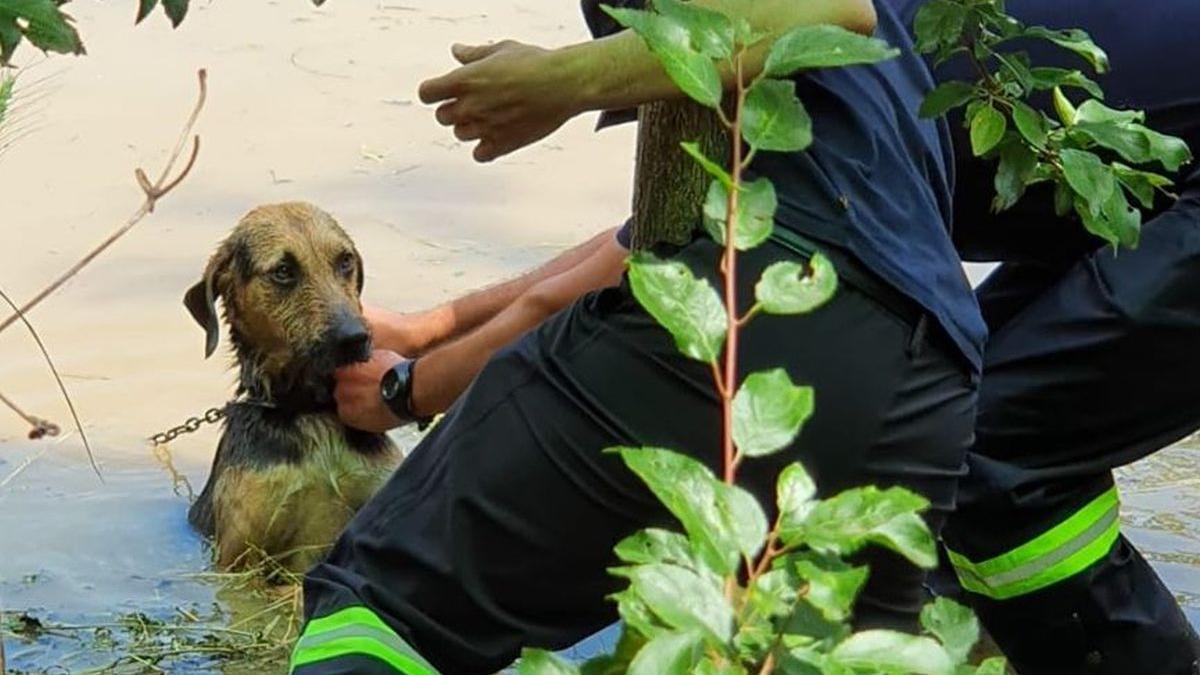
(283, 274)
(346, 264)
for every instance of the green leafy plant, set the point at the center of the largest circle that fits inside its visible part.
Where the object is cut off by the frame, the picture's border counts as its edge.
(8, 82)
(46, 26)
(734, 593)
(1097, 157)
(42, 22)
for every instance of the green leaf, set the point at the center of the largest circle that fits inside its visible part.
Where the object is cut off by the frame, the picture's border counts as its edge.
(987, 128)
(715, 170)
(939, 24)
(1122, 132)
(722, 521)
(952, 624)
(1063, 107)
(10, 37)
(1016, 170)
(711, 33)
(1170, 151)
(145, 7)
(1141, 184)
(1089, 177)
(683, 599)
(1031, 123)
(946, 97)
(745, 34)
(892, 652)
(995, 665)
(794, 494)
(689, 308)
(541, 662)
(176, 10)
(768, 411)
(823, 46)
(788, 288)
(670, 40)
(1074, 40)
(848, 521)
(42, 22)
(617, 660)
(833, 585)
(7, 82)
(1049, 78)
(673, 653)
(653, 545)
(1094, 111)
(1114, 221)
(756, 212)
(773, 594)
(1015, 73)
(635, 614)
(1124, 221)
(774, 119)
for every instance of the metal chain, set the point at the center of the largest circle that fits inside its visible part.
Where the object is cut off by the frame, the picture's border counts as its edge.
(211, 416)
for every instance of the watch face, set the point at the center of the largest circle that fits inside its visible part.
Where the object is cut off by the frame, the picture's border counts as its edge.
(390, 386)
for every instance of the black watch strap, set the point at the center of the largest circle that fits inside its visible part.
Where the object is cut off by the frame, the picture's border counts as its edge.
(396, 390)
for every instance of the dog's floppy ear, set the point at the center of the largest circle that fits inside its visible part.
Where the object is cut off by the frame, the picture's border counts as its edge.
(362, 278)
(201, 299)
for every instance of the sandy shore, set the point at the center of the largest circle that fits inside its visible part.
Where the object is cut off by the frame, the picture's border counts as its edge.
(304, 103)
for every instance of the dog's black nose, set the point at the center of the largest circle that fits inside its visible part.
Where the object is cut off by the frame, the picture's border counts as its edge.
(351, 340)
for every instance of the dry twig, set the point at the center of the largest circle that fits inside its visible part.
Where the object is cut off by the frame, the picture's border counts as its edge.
(57, 378)
(153, 192)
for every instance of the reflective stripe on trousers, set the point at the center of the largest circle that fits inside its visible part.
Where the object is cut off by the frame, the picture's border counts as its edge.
(1059, 553)
(357, 631)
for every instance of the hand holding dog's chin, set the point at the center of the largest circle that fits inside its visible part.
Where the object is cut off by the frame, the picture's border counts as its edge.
(359, 402)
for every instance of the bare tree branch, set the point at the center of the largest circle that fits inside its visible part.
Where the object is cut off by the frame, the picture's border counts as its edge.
(57, 378)
(153, 193)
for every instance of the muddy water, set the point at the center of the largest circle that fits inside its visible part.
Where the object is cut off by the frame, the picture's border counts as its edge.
(304, 104)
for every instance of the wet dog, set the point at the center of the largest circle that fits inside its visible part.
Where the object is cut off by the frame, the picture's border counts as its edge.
(287, 475)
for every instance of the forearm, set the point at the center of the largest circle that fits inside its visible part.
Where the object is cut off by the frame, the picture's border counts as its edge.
(619, 71)
(444, 373)
(446, 322)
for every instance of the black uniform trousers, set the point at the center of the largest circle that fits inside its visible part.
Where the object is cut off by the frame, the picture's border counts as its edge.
(497, 530)
(1090, 366)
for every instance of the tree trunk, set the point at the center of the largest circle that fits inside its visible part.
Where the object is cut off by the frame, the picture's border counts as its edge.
(669, 186)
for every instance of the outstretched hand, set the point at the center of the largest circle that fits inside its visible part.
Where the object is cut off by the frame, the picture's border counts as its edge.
(506, 95)
(357, 392)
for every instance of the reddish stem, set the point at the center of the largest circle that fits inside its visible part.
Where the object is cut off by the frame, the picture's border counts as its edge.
(729, 267)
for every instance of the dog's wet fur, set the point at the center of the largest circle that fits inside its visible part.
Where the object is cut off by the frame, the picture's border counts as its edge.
(288, 475)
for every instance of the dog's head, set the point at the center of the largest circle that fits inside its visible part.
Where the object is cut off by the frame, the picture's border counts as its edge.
(289, 279)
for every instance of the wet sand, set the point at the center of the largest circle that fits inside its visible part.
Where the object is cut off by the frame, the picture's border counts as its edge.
(303, 104)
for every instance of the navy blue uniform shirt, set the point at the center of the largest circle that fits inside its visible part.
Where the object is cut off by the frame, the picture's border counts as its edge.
(877, 180)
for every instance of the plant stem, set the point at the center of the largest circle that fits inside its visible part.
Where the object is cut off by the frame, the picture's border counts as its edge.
(729, 266)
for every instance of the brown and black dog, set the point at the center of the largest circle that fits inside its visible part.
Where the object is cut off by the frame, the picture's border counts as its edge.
(287, 475)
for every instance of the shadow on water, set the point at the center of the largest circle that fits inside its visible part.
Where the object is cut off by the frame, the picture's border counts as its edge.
(91, 573)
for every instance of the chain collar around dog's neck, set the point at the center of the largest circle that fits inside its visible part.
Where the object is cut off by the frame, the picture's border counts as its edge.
(210, 416)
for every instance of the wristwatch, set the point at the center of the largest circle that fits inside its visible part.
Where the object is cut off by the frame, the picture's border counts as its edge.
(396, 390)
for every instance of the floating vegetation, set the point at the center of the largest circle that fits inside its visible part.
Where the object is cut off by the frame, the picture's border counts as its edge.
(251, 630)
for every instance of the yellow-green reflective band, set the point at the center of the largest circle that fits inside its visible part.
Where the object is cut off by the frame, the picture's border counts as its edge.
(357, 631)
(1059, 553)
